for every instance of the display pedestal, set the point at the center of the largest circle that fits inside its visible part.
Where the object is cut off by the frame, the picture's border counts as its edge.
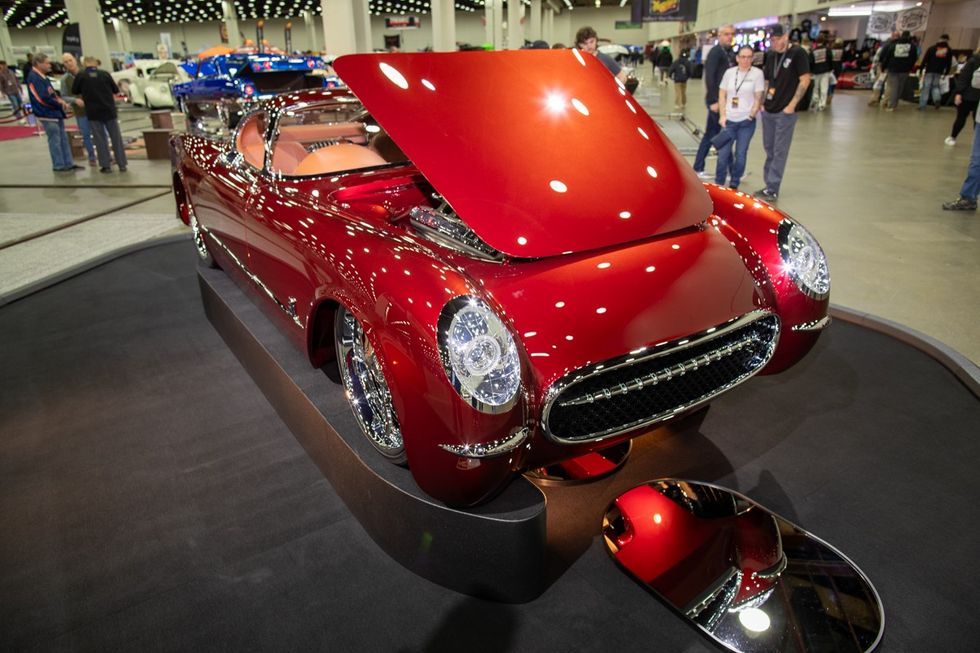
(509, 549)
(495, 551)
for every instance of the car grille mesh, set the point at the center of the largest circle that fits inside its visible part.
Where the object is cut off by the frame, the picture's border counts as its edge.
(689, 371)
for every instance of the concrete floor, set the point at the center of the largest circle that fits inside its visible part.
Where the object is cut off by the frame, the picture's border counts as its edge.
(868, 184)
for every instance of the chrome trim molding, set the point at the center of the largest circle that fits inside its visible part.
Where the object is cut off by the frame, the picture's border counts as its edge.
(666, 375)
(254, 278)
(489, 449)
(661, 349)
(814, 325)
(442, 226)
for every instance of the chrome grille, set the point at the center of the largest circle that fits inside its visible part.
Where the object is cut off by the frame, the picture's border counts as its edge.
(649, 386)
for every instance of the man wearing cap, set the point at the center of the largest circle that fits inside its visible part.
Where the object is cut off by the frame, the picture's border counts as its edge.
(787, 72)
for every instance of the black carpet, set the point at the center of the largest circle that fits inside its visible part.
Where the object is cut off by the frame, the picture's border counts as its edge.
(150, 498)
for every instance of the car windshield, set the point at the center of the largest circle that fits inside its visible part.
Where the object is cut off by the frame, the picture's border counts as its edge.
(328, 138)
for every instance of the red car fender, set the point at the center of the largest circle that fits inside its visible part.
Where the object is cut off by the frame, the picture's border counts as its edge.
(399, 307)
(751, 225)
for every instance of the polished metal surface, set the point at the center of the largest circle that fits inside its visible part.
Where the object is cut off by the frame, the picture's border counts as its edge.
(759, 340)
(750, 580)
(366, 388)
(489, 449)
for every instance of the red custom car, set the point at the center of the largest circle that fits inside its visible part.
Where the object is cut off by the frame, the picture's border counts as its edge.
(496, 300)
(700, 548)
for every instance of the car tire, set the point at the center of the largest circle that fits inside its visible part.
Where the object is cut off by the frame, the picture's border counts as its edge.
(366, 388)
(199, 244)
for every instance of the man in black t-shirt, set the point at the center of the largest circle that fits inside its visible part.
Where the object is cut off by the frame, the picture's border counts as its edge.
(787, 72)
(97, 89)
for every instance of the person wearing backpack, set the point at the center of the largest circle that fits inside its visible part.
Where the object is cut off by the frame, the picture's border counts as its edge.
(680, 72)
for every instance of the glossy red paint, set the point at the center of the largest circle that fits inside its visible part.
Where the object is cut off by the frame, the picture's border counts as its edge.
(308, 244)
(513, 140)
(680, 553)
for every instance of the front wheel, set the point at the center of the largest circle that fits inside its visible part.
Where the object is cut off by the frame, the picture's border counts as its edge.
(367, 390)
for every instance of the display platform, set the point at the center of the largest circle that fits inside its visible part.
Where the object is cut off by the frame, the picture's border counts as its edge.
(153, 498)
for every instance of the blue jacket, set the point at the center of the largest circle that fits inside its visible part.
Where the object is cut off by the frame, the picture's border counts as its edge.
(44, 100)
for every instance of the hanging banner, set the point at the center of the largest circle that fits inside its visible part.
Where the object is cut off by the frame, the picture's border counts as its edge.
(289, 37)
(71, 40)
(260, 35)
(660, 11)
(880, 23)
(913, 20)
(403, 22)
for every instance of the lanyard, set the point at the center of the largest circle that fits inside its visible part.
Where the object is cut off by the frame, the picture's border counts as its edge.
(779, 65)
(738, 84)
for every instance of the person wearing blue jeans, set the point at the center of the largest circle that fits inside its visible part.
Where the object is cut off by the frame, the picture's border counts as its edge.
(50, 109)
(967, 201)
(77, 105)
(739, 101)
(719, 60)
(936, 62)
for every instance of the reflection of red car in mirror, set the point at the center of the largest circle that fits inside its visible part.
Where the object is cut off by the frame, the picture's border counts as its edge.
(495, 300)
(697, 547)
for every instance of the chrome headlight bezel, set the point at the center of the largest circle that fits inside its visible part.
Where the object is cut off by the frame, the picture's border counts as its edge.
(789, 232)
(496, 338)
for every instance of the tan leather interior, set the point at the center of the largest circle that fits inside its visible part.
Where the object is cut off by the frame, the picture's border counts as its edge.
(334, 158)
(286, 156)
(352, 131)
(251, 142)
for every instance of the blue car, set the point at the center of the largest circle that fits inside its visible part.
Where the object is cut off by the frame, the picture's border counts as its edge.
(223, 87)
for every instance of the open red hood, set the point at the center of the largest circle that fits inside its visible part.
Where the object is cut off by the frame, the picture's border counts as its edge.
(539, 152)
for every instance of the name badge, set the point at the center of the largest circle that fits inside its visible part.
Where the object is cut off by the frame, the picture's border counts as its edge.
(771, 93)
(734, 101)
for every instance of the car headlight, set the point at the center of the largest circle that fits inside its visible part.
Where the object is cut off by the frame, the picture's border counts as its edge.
(804, 259)
(479, 355)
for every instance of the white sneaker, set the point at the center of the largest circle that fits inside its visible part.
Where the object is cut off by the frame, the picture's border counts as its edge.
(950, 140)
(704, 174)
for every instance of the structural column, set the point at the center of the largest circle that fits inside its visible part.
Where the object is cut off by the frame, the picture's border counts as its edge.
(548, 27)
(338, 27)
(122, 35)
(312, 38)
(91, 29)
(230, 19)
(362, 25)
(6, 46)
(443, 25)
(534, 23)
(515, 31)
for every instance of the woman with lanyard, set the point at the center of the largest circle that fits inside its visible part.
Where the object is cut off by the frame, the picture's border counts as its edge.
(739, 100)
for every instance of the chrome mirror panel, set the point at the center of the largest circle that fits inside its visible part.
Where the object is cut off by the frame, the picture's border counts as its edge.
(746, 577)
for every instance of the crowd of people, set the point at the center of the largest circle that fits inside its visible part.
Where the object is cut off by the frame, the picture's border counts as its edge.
(741, 87)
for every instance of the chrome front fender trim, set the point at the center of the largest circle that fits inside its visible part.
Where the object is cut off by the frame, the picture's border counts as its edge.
(814, 325)
(289, 310)
(489, 449)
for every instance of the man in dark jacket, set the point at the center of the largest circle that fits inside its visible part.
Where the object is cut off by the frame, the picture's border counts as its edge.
(98, 90)
(720, 58)
(664, 61)
(821, 67)
(898, 59)
(50, 111)
(935, 64)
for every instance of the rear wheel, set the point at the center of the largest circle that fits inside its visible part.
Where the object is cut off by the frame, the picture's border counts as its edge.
(367, 390)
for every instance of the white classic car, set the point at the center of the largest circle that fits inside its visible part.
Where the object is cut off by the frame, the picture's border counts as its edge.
(147, 83)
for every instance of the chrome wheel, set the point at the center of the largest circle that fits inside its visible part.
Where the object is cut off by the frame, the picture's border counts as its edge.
(367, 391)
